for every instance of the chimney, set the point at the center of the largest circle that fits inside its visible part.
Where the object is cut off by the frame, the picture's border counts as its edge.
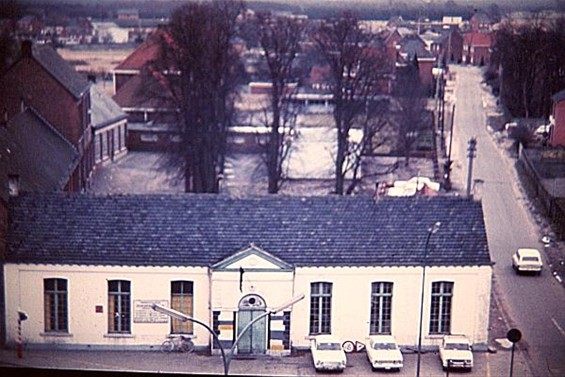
(26, 49)
(380, 191)
(13, 185)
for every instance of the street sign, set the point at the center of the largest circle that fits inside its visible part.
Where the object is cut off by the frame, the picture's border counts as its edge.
(514, 335)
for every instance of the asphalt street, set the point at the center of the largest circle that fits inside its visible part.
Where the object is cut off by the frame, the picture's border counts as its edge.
(535, 305)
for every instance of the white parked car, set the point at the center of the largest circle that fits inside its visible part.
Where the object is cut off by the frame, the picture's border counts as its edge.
(455, 352)
(527, 260)
(327, 353)
(383, 353)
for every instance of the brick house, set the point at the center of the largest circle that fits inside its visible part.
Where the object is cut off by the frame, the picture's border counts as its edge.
(557, 134)
(477, 48)
(224, 261)
(142, 91)
(481, 22)
(43, 81)
(413, 46)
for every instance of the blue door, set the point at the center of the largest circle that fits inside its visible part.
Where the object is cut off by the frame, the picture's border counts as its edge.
(254, 340)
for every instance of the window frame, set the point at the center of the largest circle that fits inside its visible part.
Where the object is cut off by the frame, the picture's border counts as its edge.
(441, 303)
(185, 327)
(320, 308)
(56, 314)
(380, 317)
(116, 300)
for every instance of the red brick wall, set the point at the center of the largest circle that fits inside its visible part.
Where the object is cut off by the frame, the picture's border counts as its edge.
(28, 81)
(557, 137)
(481, 55)
(425, 69)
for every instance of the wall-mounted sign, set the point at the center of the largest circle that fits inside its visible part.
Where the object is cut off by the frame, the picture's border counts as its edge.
(144, 313)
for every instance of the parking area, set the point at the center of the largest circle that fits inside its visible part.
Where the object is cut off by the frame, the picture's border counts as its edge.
(486, 364)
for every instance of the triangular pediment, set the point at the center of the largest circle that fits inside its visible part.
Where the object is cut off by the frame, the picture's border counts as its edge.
(252, 258)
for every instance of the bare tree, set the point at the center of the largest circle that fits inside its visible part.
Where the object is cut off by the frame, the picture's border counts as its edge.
(279, 38)
(200, 66)
(357, 64)
(411, 117)
(371, 123)
(531, 64)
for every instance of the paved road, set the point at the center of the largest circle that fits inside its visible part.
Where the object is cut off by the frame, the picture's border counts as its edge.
(536, 305)
(486, 364)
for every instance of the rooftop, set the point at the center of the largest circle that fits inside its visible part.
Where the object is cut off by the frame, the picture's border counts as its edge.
(201, 230)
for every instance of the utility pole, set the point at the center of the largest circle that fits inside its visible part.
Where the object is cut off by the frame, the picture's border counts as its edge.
(448, 162)
(471, 155)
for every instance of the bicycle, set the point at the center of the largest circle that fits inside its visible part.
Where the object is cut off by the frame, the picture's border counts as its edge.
(177, 343)
(353, 346)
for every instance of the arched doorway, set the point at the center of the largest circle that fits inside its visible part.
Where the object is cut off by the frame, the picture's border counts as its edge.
(254, 341)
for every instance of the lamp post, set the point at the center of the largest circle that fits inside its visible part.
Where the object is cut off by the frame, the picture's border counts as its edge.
(226, 359)
(431, 231)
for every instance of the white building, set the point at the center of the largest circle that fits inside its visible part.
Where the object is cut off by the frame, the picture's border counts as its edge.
(86, 269)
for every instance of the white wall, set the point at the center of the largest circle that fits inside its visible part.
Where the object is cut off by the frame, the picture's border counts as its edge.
(351, 301)
(275, 287)
(88, 288)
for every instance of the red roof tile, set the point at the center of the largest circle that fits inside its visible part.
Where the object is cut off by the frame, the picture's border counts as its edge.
(146, 52)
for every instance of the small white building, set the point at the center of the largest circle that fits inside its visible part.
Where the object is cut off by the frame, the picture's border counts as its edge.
(86, 269)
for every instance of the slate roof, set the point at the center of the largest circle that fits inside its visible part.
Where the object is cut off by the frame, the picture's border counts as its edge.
(61, 70)
(146, 90)
(559, 96)
(105, 111)
(34, 150)
(201, 230)
(414, 45)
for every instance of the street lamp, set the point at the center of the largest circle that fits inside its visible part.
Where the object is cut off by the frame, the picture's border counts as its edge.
(226, 359)
(183, 317)
(431, 231)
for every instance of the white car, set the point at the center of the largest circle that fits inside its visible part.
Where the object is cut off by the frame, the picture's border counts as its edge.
(383, 353)
(455, 352)
(527, 260)
(327, 353)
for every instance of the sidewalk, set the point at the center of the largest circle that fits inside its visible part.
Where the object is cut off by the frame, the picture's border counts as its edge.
(486, 364)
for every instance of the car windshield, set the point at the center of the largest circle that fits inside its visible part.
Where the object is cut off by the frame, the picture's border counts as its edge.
(384, 346)
(530, 259)
(457, 346)
(329, 346)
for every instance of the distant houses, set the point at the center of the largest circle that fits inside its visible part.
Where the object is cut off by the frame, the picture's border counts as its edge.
(43, 98)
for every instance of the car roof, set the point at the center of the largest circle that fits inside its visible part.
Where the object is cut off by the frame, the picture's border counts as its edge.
(326, 338)
(382, 339)
(529, 252)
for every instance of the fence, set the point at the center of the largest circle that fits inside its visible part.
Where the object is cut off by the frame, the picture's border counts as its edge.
(546, 191)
